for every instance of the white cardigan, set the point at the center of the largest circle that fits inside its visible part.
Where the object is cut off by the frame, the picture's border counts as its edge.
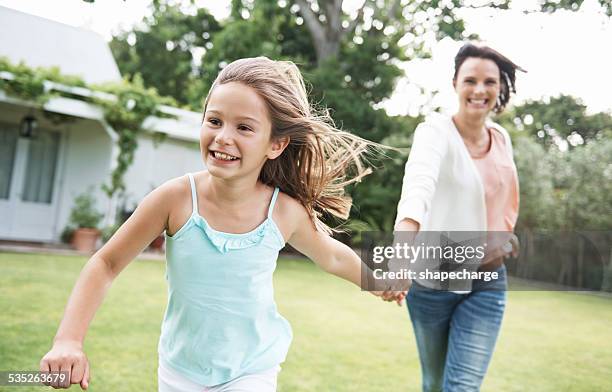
(442, 188)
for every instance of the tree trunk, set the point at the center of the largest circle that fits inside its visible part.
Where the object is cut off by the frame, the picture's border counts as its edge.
(327, 36)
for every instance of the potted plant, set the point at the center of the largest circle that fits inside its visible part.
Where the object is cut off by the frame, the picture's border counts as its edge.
(85, 219)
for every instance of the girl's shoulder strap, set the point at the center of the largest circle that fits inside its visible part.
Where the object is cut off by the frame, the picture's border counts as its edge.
(194, 195)
(272, 202)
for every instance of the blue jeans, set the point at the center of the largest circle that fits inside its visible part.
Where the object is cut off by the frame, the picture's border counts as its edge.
(456, 333)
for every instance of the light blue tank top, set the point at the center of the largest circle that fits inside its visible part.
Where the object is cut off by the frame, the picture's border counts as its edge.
(221, 321)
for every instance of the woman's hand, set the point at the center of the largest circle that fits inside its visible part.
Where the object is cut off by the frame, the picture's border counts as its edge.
(67, 356)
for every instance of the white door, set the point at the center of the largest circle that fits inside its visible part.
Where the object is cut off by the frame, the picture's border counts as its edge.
(28, 184)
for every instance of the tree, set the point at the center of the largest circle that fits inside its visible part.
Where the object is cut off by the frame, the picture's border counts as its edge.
(262, 29)
(166, 49)
(559, 121)
(538, 205)
(572, 5)
(583, 179)
(583, 184)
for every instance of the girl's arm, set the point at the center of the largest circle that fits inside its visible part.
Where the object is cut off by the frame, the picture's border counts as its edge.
(331, 255)
(145, 224)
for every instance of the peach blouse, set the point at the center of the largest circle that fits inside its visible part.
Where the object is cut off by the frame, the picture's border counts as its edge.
(500, 182)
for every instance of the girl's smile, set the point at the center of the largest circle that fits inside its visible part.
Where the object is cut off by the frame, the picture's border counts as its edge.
(222, 156)
(236, 131)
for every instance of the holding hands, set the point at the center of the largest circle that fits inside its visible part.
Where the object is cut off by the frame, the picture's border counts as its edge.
(394, 291)
(391, 296)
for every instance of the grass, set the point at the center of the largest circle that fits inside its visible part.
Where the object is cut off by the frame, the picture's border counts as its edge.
(344, 340)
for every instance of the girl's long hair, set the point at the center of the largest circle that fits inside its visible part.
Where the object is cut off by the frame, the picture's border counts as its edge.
(320, 160)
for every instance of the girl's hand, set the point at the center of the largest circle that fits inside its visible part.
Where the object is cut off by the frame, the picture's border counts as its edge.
(67, 356)
(391, 296)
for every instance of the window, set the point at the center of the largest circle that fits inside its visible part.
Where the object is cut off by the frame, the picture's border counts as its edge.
(41, 163)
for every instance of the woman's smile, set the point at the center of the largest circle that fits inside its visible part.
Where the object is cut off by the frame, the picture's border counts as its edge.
(480, 103)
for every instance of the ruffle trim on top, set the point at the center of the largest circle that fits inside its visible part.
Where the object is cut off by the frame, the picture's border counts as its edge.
(225, 242)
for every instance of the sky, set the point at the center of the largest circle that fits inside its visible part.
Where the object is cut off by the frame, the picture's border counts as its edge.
(565, 52)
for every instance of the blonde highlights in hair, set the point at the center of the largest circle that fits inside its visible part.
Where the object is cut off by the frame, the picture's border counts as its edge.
(320, 160)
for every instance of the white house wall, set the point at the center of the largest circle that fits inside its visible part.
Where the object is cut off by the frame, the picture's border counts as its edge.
(83, 161)
(87, 163)
(41, 42)
(155, 165)
(86, 158)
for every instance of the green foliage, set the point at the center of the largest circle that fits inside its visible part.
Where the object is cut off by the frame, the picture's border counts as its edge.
(564, 190)
(538, 207)
(126, 114)
(583, 182)
(237, 40)
(558, 121)
(84, 213)
(572, 5)
(26, 84)
(66, 235)
(169, 42)
(29, 83)
(375, 199)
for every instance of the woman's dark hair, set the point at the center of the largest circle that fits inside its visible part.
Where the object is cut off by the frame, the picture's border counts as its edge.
(507, 70)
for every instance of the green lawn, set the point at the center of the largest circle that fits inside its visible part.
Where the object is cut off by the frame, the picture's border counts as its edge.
(345, 340)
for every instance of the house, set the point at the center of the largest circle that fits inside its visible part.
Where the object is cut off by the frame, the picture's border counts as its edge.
(41, 173)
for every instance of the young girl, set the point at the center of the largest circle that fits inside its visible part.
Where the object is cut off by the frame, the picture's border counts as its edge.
(273, 169)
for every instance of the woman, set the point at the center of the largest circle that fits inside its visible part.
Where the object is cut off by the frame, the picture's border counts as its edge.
(461, 176)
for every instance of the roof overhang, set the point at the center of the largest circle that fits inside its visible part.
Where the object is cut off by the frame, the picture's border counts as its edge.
(184, 124)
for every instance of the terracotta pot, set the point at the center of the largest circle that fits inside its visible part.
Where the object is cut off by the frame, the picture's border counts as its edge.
(85, 239)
